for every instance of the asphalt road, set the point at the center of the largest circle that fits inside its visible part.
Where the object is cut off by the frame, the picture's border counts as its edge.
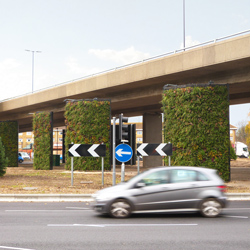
(64, 225)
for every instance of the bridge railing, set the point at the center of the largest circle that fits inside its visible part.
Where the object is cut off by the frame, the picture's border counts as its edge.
(137, 62)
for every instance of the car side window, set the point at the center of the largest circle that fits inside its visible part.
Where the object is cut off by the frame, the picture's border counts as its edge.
(157, 178)
(183, 175)
(202, 177)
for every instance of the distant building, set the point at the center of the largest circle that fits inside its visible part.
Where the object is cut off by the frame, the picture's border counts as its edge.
(233, 135)
(26, 141)
(139, 132)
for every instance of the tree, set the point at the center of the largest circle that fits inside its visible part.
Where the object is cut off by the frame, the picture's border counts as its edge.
(3, 159)
(241, 134)
(247, 131)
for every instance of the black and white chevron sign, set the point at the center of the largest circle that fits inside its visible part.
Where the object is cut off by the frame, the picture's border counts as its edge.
(94, 150)
(149, 149)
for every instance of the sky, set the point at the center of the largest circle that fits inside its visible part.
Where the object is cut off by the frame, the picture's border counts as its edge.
(77, 38)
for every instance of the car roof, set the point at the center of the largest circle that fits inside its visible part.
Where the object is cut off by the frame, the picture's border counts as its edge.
(183, 167)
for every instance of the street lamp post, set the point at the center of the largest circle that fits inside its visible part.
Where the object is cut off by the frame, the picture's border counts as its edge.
(33, 52)
(184, 31)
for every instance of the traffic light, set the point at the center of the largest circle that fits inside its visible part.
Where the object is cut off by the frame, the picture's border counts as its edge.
(131, 142)
(123, 129)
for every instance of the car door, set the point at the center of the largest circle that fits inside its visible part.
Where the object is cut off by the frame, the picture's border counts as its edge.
(152, 191)
(184, 189)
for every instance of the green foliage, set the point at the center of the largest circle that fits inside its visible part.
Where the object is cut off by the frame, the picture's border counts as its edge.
(9, 135)
(196, 121)
(233, 155)
(88, 122)
(3, 159)
(42, 134)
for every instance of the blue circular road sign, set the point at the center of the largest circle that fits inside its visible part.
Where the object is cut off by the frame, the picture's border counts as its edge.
(123, 153)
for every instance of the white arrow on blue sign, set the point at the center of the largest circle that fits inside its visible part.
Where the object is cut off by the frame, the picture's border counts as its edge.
(123, 153)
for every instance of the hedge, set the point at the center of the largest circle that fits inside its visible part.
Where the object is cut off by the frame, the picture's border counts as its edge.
(42, 140)
(9, 135)
(88, 122)
(196, 121)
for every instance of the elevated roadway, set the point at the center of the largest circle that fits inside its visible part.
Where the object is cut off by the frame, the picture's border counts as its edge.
(137, 89)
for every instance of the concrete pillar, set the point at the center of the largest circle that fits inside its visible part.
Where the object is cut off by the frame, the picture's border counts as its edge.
(152, 133)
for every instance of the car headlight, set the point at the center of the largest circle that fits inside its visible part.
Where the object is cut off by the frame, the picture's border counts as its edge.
(102, 197)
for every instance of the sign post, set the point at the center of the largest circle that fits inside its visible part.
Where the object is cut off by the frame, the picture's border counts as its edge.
(72, 171)
(138, 164)
(94, 150)
(123, 153)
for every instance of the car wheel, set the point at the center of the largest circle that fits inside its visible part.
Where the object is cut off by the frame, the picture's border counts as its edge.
(210, 208)
(20, 161)
(120, 208)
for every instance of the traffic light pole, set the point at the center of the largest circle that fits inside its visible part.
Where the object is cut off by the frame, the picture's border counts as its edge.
(123, 168)
(114, 180)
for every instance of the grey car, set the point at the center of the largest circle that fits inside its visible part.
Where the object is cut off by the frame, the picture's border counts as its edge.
(165, 189)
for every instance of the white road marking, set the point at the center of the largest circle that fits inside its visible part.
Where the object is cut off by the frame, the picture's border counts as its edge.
(48, 210)
(240, 217)
(240, 208)
(78, 208)
(15, 248)
(118, 225)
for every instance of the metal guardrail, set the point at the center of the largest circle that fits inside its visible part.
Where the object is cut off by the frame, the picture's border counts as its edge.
(135, 63)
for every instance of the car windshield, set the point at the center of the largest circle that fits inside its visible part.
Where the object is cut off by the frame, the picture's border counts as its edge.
(136, 176)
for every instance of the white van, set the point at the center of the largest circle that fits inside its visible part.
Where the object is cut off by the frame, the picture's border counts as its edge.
(24, 155)
(241, 150)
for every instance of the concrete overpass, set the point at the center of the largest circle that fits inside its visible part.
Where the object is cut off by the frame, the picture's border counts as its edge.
(136, 90)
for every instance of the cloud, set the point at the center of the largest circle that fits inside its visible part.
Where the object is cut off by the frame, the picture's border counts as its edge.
(126, 56)
(189, 42)
(14, 78)
(8, 65)
(75, 68)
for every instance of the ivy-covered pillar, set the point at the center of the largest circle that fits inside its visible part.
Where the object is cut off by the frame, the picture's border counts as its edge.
(9, 135)
(88, 122)
(196, 121)
(43, 135)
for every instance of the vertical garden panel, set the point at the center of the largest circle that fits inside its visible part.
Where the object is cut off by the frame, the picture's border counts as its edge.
(9, 135)
(42, 128)
(196, 121)
(88, 122)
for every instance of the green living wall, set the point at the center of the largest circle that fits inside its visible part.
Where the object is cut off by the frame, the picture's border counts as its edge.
(88, 122)
(9, 135)
(42, 127)
(196, 121)
(3, 159)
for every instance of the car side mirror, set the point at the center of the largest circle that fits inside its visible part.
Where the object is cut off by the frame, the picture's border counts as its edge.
(140, 184)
